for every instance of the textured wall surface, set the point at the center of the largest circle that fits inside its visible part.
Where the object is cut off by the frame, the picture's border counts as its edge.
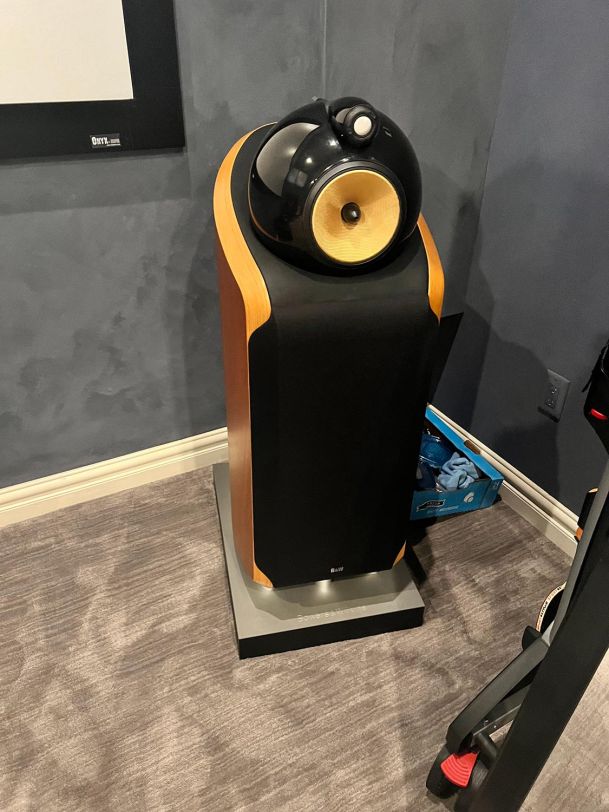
(108, 313)
(435, 68)
(109, 322)
(538, 292)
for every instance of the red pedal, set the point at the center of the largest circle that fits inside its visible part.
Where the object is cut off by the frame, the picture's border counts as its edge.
(458, 768)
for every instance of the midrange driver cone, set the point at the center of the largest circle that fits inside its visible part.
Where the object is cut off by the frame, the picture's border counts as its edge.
(355, 216)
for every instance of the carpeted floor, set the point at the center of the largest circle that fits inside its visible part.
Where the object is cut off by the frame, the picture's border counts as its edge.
(120, 687)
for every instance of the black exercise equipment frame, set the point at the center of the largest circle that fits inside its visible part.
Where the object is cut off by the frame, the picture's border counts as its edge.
(559, 684)
(541, 688)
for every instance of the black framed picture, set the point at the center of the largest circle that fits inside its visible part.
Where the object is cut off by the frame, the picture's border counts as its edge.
(88, 78)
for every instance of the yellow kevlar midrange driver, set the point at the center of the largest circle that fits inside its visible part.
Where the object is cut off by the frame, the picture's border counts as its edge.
(355, 216)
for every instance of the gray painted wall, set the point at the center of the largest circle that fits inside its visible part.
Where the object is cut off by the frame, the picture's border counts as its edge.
(436, 69)
(108, 307)
(527, 81)
(108, 313)
(538, 293)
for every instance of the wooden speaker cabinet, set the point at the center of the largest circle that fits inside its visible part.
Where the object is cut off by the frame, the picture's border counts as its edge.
(331, 293)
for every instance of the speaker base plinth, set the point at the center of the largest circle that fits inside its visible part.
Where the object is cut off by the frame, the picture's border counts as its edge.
(268, 621)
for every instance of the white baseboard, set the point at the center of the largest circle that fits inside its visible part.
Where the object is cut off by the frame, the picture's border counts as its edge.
(40, 496)
(543, 511)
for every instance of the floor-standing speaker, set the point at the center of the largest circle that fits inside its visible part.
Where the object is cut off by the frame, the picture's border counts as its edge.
(331, 293)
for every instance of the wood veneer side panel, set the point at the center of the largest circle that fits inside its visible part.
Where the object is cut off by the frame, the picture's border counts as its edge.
(236, 387)
(400, 555)
(245, 305)
(436, 274)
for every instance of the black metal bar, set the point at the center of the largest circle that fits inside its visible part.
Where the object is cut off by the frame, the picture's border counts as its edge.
(503, 713)
(515, 675)
(488, 749)
(561, 680)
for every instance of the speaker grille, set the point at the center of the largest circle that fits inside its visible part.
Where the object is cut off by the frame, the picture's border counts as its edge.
(379, 205)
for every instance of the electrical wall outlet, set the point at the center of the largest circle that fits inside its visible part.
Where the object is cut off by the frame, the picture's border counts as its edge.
(555, 395)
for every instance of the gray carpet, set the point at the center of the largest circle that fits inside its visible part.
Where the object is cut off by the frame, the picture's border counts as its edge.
(120, 687)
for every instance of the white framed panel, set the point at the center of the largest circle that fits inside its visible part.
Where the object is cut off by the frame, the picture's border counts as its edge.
(63, 51)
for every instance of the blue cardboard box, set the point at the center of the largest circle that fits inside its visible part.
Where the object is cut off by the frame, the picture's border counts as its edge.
(482, 493)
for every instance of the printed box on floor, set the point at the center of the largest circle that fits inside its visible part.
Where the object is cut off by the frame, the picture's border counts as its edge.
(480, 494)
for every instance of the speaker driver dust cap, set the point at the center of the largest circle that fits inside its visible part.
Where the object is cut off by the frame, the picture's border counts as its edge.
(355, 216)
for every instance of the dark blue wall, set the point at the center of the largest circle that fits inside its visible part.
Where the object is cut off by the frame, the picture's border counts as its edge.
(108, 313)
(108, 307)
(524, 234)
(436, 69)
(538, 286)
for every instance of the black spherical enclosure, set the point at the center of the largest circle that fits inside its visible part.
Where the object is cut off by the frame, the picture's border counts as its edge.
(335, 186)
